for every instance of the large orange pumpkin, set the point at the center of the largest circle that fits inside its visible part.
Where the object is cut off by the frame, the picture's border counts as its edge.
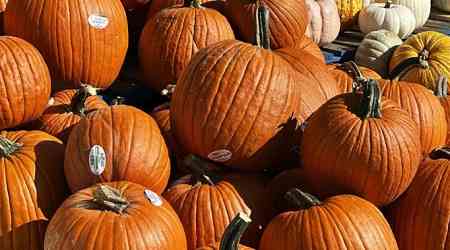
(199, 201)
(114, 144)
(423, 58)
(347, 74)
(361, 144)
(24, 85)
(287, 25)
(348, 11)
(308, 45)
(83, 41)
(423, 107)
(173, 36)
(441, 92)
(236, 104)
(32, 187)
(66, 109)
(115, 216)
(339, 222)
(420, 218)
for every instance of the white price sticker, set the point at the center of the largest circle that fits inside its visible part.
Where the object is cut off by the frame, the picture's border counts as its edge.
(97, 160)
(153, 197)
(98, 22)
(221, 155)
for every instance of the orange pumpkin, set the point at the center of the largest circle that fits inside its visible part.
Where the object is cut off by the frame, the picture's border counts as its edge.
(339, 222)
(83, 41)
(348, 73)
(114, 144)
(158, 5)
(420, 218)
(25, 82)
(441, 92)
(66, 109)
(308, 45)
(32, 188)
(124, 216)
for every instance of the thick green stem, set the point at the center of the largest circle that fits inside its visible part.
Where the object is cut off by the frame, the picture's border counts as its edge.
(192, 3)
(8, 147)
(357, 75)
(198, 169)
(441, 87)
(440, 153)
(78, 104)
(371, 100)
(301, 199)
(262, 26)
(234, 231)
(110, 199)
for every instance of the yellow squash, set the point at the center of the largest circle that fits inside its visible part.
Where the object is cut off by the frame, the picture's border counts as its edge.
(348, 11)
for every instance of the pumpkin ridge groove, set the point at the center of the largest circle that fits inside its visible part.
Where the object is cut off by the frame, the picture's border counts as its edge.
(344, 214)
(29, 67)
(28, 194)
(279, 20)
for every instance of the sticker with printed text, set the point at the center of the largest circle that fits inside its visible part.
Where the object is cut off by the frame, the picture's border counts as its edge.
(153, 197)
(221, 155)
(98, 22)
(97, 159)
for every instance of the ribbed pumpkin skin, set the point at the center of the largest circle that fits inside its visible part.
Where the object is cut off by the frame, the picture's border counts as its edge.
(439, 64)
(420, 218)
(161, 115)
(287, 23)
(33, 187)
(373, 158)
(423, 107)
(348, 12)
(345, 80)
(74, 50)
(341, 222)
(205, 210)
(445, 102)
(420, 8)
(142, 226)
(158, 5)
(58, 120)
(324, 21)
(135, 150)
(237, 97)
(216, 246)
(308, 45)
(25, 83)
(173, 36)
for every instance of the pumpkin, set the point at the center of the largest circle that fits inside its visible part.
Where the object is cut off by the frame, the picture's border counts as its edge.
(308, 45)
(423, 58)
(420, 8)
(67, 108)
(441, 92)
(339, 222)
(347, 75)
(173, 36)
(32, 189)
(124, 216)
(24, 85)
(324, 21)
(158, 5)
(235, 103)
(232, 235)
(348, 12)
(2, 10)
(287, 25)
(199, 201)
(420, 218)
(396, 18)
(359, 143)
(114, 144)
(423, 107)
(376, 50)
(83, 41)
(441, 4)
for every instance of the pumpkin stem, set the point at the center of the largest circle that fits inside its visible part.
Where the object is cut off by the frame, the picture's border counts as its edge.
(168, 91)
(440, 153)
(424, 55)
(8, 147)
(301, 199)
(193, 4)
(358, 77)
(388, 4)
(371, 100)
(198, 169)
(78, 104)
(441, 87)
(404, 67)
(233, 233)
(110, 199)
(118, 100)
(262, 26)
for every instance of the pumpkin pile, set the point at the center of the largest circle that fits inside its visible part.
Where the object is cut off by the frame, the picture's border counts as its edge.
(218, 125)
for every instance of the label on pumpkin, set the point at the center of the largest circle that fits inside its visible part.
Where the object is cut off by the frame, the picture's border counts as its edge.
(97, 160)
(98, 22)
(153, 197)
(221, 155)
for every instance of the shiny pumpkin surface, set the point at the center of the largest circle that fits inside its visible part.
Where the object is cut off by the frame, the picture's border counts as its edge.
(134, 149)
(142, 226)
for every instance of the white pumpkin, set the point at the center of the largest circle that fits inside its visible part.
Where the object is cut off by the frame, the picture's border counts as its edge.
(420, 8)
(324, 21)
(442, 4)
(396, 18)
(376, 49)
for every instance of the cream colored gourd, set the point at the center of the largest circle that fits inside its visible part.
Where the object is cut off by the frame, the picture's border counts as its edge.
(376, 50)
(420, 8)
(324, 21)
(442, 4)
(396, 18)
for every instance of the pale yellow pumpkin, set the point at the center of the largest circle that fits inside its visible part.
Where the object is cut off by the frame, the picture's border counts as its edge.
(422, 59)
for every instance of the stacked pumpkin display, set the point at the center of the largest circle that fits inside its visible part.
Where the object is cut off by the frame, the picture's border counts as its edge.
(259, 143)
